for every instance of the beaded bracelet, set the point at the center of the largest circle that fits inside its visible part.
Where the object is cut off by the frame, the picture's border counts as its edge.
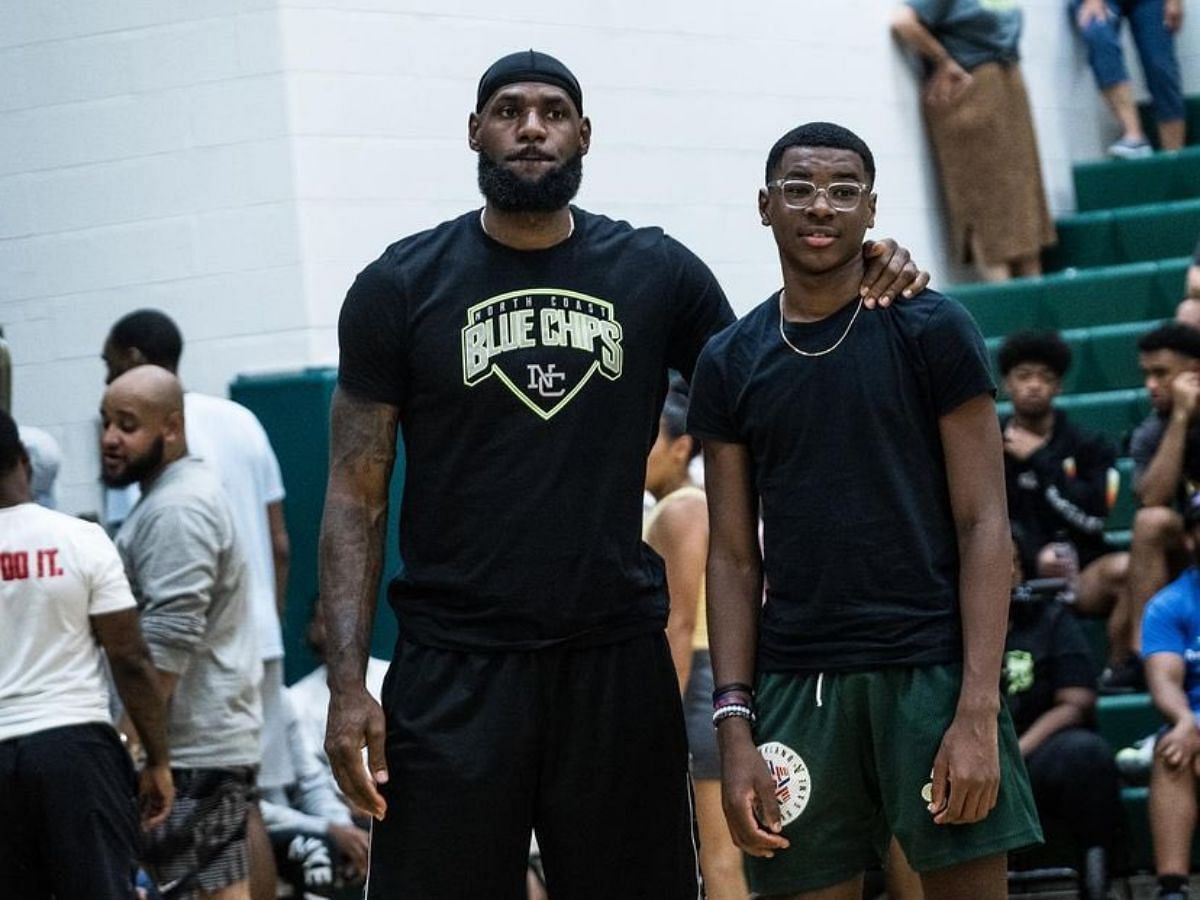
(732, 711)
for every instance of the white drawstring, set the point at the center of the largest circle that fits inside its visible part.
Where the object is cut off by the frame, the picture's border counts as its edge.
(820, 681)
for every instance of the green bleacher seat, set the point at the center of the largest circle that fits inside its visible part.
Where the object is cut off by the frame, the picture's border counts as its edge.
(1132, 234)
(1126, 718)
(1084, 239)
(1158, 231)
(1109, 184)
(1108, 295)
(1109, 359)
(1191, 115)
(1119, 539)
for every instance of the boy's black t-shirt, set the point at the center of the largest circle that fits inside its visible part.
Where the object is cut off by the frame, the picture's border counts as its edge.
(860, 555)
(529, 385)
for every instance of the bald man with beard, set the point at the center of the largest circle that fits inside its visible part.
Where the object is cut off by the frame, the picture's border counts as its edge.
(189, 578)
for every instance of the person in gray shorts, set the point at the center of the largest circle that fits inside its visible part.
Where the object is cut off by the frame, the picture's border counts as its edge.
(188, 575)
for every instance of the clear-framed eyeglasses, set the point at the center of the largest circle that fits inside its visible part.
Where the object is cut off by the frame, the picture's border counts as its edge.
(844, 196)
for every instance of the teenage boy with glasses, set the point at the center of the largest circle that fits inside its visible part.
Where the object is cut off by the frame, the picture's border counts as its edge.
(870, 677)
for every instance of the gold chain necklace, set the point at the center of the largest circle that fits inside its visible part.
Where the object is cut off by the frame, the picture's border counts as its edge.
(830, 349)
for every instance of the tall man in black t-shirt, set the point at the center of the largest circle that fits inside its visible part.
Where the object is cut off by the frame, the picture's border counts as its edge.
(524, 350)
(872, 448)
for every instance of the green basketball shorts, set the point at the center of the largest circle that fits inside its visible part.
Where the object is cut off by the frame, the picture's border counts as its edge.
(853, 753)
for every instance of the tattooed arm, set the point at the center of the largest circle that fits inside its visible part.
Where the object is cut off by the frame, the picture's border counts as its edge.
(363, 450)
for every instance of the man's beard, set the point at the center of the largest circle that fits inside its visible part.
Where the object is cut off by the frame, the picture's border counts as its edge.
(137, 468)
(511, 193)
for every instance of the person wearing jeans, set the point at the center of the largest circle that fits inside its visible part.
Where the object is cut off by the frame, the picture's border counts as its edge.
(1154, 24)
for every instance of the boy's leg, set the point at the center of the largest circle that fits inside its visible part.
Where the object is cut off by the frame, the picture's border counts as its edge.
(985, 878)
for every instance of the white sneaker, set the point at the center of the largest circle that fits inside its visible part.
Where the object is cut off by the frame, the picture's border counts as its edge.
(1127, 149)
(1134, 762)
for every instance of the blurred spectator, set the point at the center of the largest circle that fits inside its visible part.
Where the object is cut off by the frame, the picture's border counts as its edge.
(68, 815)
(1171, 644)
(318, 847)
(677, 529)
(977, 114)
(1188, 312)
(186, 567)
(45, 457)
(1048, 682)
(229, 438)
(1154, 24)
(1060, 480)
(1166, 455)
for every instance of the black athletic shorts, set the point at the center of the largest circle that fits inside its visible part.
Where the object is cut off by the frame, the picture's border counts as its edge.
(586, 745)
(68, 815)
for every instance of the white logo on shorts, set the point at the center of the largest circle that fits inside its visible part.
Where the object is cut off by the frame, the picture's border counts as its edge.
(793, 785)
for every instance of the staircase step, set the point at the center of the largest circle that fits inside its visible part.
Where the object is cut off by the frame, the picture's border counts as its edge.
(1130, 234)
(1112, 183)
(1109, 295)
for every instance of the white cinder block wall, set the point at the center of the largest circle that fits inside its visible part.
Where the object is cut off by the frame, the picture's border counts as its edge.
(236, 162)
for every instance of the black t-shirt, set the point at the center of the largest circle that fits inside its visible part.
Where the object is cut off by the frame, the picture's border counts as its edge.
(1064, 486)
(529, 385)
(1143, 447)
(1045, 651)
(859, 555)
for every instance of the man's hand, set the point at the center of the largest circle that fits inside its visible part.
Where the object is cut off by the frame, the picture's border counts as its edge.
(1179, 746)
(353, 843)
(1092, 11)
(890, 273)
(1185, 393)
(1020, 443)
(156, 795)
(1173, 15)
(357, 721)
(947, 84)
(966, 770)
(748, 793)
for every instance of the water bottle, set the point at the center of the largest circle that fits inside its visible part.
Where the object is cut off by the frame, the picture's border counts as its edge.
(1068, 557)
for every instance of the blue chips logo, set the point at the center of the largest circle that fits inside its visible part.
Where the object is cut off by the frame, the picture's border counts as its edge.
(543, 344)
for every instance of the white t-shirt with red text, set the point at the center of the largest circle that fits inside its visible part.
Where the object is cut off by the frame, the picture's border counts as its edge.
(56, 572)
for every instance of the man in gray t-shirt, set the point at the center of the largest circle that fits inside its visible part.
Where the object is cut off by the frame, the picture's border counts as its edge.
(189, 578)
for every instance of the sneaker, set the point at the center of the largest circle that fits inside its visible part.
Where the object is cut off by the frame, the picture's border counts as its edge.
(1129, 149)
(1126, 677)
(1134, 762)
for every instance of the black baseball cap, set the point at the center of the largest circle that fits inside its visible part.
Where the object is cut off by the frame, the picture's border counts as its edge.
(528, 65)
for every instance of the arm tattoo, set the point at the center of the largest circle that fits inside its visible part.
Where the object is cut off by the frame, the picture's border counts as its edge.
(362, 453)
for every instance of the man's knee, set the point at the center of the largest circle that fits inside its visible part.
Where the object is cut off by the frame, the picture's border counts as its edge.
(1157, 526)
